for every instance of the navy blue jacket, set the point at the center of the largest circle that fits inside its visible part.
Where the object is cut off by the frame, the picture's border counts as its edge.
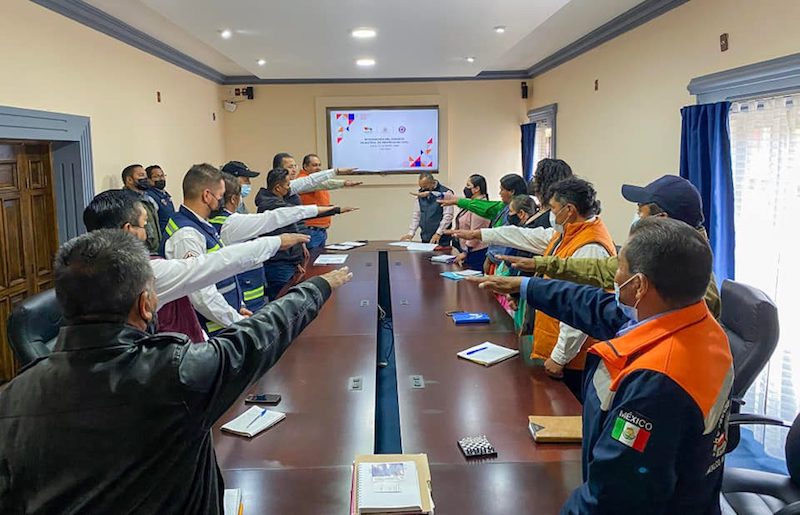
(679, 468)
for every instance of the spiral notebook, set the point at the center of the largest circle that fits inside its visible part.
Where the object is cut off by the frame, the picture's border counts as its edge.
(391, 484)
(253, 421)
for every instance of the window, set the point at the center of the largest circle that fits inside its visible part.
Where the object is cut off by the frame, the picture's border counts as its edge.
(765, 148)
(545, 140)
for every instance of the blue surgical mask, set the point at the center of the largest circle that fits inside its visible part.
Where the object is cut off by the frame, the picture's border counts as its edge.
(629, 311)
(245, 190)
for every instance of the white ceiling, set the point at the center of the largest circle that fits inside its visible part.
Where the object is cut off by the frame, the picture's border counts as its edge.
(310, 39)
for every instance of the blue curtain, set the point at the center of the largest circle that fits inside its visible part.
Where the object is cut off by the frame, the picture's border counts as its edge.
(706, 163)
(528, 140)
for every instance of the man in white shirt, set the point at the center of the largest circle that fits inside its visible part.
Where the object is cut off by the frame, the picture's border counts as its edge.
(576, 231)
(189, 234)
(430, 217)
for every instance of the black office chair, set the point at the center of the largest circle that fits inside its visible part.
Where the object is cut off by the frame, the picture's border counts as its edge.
(753, 492)
(750, 319)
(33, 327)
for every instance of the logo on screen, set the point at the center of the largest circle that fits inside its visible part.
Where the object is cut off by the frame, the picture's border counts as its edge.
(401, 129)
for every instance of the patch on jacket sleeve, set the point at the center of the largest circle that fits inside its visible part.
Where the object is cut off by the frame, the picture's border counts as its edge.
(632, 429)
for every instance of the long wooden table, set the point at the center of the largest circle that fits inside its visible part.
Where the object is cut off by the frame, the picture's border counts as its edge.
(302, 465)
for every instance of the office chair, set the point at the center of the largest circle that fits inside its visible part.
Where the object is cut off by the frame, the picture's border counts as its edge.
(33, 327)
(750, 319)
(753, 492)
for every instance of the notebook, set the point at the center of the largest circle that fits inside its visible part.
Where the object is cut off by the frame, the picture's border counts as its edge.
(453, 276)
(469, 273)
(253, 421)
(354, 243)
(330, 259)
(339, 246)
(362, 487)
(232, 501)
(555, 429)
(443, 258)
(487, 353)
(471, 318)
(389, 487)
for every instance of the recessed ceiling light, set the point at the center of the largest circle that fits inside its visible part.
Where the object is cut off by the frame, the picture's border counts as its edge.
(363, 33)
(470, 59)
(500, 29)
(262, 62)
(365, 62)
(226, 34)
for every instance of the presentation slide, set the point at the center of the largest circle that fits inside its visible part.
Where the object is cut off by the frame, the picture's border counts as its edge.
(384, 139)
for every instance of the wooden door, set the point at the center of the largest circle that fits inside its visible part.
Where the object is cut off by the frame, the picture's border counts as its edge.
(28, 232)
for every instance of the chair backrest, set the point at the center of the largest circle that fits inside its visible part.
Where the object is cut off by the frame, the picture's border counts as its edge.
(793, 451)
(750, 319)
(33, 326)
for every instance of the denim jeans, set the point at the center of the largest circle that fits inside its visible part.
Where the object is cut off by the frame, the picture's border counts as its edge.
(318, 237)
(278, 274)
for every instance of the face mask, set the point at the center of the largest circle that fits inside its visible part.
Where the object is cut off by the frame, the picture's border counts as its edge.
(556, 226)
(160, 184)
(629, 311)
(220, 204)
(245, 190)
(514, 220)
(142, 184)
(636, 218)
(467, 192)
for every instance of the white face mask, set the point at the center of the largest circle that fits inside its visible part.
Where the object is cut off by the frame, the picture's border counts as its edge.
(630, 311)
(559, 228)
(636, 218)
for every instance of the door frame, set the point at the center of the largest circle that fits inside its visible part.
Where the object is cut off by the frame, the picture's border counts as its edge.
(71, 159)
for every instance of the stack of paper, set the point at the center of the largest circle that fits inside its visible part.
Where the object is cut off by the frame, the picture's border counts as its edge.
(232, 501)
(345, 245)
(487, 353)
(400, 244)
(253, 421)
(391, 484)
(457, 276)
(443, 258)
(330, 259)
(421, 247)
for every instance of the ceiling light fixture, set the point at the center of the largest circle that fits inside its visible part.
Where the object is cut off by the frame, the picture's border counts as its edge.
(365, 62)
(262, 62)
(226, 34)
(500, 29)
(470, 59)
(363, 33)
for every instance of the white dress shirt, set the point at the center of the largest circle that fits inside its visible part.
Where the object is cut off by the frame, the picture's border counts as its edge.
(188, 242)
(311, 182)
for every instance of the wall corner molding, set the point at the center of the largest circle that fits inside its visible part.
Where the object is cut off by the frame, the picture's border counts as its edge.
(772, 76)
(627, 21)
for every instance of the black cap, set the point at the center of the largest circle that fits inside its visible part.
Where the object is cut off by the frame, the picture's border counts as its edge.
(675, 195)
(239, 169)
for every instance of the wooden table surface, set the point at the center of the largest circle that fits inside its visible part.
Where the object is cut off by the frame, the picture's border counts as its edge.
(302, 465)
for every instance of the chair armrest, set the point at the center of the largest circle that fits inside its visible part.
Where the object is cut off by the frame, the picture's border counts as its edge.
(738, 419)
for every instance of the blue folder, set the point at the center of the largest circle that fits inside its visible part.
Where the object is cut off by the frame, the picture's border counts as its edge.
(471, 318)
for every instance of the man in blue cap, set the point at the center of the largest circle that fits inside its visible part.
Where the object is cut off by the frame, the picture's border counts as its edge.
(243, 174)
(668, 196)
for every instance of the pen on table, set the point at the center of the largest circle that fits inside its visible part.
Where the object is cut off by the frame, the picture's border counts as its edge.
(476, 350)
(263, 412)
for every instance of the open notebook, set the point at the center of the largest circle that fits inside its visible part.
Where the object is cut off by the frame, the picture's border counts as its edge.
(487, 353)
(253, 421)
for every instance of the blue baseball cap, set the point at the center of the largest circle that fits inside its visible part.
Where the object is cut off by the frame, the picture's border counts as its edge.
(675, 195)
(239, 169)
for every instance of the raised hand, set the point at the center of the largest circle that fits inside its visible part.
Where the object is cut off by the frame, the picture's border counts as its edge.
(350, 184)
(520, 263)
(345, 171)
(498, 283)
(347, 209)
(291, 239)
(448, 201)
(337, 278)
(464, 234)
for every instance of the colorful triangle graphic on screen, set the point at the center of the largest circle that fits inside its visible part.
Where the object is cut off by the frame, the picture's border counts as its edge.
(339, 139)
(430, 141)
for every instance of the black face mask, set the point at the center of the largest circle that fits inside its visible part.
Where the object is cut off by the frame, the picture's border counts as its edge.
(467, 192)
(160, 184)
(514, 220)
(142, 184)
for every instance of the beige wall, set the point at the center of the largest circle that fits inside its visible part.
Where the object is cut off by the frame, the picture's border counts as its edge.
(629, 130)
(479, 125)
(52, 63)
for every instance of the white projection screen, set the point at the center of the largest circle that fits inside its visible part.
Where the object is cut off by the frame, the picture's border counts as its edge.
(384, 139)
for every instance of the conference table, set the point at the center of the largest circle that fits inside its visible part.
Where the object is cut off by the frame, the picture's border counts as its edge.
(327, 380)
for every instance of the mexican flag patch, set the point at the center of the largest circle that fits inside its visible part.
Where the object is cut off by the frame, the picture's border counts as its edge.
(632, 429)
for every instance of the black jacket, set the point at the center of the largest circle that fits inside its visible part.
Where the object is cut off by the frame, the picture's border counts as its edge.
(267, 201)
(118, 421)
